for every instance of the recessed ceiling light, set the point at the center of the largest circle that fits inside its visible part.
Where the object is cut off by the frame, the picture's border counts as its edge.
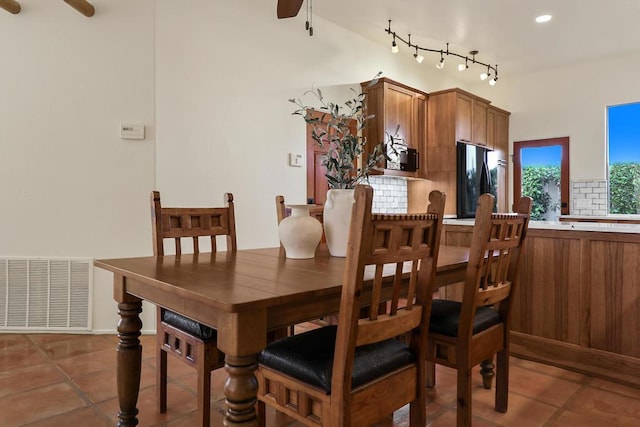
(543, 18)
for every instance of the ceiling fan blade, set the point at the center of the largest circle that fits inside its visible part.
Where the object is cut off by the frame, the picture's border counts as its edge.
(288, 8)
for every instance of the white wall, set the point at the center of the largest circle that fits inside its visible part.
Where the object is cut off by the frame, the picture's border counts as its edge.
(224, 72)
(569, 101)
(69, 187)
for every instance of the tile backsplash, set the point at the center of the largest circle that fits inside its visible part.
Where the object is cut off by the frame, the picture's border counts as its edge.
(589, 197)
(389, 194)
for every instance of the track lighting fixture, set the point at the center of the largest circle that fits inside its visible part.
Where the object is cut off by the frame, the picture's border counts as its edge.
(486, 75)
(440, 64)
(494, 80)
(470, 58)
(419, 58)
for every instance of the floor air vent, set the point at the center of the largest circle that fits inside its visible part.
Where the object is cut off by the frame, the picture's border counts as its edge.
(38, 294)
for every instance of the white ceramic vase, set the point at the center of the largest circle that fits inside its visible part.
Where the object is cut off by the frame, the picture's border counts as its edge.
(337, 220)
(300, 233)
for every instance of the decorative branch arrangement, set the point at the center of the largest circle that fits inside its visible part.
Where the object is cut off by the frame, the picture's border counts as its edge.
(11, 6)
(82, 6)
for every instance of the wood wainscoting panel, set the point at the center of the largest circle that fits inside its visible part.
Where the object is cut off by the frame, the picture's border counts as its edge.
(577, 302)
(614, 272)
(547, 297)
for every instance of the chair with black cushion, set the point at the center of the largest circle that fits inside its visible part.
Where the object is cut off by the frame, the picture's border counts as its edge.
(359, 371)
(184, 338)
(463, 334)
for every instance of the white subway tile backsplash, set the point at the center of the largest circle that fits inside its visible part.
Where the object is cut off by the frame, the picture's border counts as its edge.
(589, 197)
(389, 194)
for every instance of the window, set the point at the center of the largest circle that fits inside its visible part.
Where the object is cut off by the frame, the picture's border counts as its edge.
(623, 132)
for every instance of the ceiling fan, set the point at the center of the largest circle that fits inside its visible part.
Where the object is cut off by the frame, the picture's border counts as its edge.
(288, 8)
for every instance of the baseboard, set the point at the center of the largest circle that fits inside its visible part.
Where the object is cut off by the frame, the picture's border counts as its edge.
(115, 332)
(602, 364)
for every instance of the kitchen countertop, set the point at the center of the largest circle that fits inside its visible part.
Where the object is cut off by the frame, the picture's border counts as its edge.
(565, 225)
(616, 217)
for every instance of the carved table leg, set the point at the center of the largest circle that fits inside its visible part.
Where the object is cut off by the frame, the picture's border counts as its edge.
(129, 360)
(241, 390)
(487, 372)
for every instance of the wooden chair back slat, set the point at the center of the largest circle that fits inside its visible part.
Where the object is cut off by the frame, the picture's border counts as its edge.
(407, 244)
(493, 259)
(387, 326)
(192, 223)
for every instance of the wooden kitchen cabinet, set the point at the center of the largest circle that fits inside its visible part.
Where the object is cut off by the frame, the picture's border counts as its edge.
(498, 139)
(470, 116)
(394, 104)
(456, 115)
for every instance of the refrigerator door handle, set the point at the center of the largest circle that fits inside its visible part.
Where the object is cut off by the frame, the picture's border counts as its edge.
(485, 179)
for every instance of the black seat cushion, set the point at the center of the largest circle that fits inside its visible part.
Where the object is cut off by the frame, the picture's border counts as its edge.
(308, 357)
(445, 318)
(189, 326)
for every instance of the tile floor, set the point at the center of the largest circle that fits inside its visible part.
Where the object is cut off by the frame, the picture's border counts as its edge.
(69, 380)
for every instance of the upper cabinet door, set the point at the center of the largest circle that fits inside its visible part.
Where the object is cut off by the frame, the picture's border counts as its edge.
(399, 111)
(463, 118)
(479, 122)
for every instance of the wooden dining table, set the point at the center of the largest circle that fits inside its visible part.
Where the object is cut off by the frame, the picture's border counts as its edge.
(243, 295)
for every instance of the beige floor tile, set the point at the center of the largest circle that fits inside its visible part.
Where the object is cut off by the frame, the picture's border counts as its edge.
(73, 345)
(20, 354)
(79, 417)
(522, 411)
(41, 375)
(19, 380)
(180, 403)
(87, 363)
(613, 408)
(550, 389)
(38, 404)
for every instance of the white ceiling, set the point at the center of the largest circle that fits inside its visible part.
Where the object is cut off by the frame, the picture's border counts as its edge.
(503, 31)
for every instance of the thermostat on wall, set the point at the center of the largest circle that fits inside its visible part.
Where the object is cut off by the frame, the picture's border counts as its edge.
(131, 131)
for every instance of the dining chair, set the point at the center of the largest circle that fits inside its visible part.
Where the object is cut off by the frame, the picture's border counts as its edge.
(359, 371)
(463, 334)
(193, 343)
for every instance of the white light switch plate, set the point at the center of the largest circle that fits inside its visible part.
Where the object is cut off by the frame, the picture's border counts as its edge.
(295, 160)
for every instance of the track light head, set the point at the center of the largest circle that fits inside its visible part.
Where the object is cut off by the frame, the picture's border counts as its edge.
(440, 64)
(419, 58)
(493, 81)
(486, 74)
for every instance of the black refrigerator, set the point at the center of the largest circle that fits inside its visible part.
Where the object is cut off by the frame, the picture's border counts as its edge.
(474, 173)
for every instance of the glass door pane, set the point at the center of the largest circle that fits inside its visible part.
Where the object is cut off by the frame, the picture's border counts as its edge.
(541, 172)
(541, 181)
